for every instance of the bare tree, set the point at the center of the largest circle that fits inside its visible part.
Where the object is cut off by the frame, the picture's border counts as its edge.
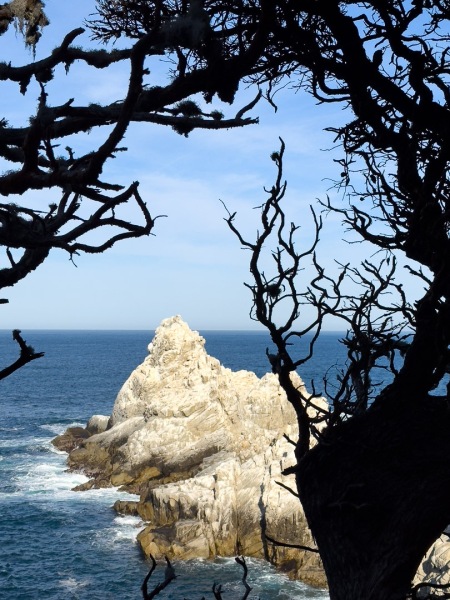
(366, 484)
(88, 204)
(376, 487)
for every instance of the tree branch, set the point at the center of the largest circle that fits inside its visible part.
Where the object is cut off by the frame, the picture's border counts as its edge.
(169, 576)
(27, 354)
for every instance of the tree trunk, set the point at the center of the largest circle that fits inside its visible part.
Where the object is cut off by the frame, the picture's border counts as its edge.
(376, 493)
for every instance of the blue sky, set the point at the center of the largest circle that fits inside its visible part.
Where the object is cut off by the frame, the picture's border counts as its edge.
(193, 265)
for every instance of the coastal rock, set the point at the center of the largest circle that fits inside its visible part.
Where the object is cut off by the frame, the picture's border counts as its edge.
(434, 568)
(70, 439)
(73, 436)
(204, 447)
(97, 424)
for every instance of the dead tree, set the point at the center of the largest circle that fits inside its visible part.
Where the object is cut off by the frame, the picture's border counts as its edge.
(27, 354)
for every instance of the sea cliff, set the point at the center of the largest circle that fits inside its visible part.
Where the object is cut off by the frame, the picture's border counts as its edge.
(205, 448)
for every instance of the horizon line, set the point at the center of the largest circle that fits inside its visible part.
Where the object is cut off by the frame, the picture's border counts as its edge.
(80, 329)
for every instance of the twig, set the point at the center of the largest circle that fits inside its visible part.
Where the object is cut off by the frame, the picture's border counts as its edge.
(241, 561)
(27, 354)
(286, 545)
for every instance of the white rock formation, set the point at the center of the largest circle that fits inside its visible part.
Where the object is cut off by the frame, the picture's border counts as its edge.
(205, 447)
(435, 567)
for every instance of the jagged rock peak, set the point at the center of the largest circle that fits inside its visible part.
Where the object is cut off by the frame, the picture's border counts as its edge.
(177, 361)
(179, 379)
(174, 339)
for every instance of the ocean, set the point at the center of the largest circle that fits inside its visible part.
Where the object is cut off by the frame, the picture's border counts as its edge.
(56, 544)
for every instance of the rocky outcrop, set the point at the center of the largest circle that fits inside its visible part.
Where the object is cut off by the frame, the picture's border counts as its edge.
(74, 436)
(97, 424)
(204, 447)
(434, 568)
(71, 438)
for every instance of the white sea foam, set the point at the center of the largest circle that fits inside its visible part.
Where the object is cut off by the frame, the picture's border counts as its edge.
(127, 527)
(58, 429)
(41, 471)
(124, 529)
(47, 476)
(52, 479)
(128, 520)
(32, 442)
(71, 584)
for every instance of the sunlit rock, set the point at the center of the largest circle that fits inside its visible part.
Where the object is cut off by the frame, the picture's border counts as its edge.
(434, 568)
(204, 447)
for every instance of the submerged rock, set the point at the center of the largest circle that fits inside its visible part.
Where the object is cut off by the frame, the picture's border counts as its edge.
(204, 447)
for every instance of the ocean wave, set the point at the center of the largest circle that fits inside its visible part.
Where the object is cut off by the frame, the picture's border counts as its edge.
(127, 528)
(10, 429)
(263, 578)
(72, 584)
(40, 470)
(59, 428)
(123, 529)
(30, 442)
(51, 478)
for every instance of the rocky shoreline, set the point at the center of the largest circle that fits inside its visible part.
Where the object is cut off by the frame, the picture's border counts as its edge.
(204, 448)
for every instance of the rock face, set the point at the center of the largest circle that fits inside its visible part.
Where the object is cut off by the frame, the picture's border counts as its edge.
(70, 439)
(204, 447)
(434, 568)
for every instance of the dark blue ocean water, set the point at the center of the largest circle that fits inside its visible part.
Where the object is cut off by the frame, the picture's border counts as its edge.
(56, 544)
